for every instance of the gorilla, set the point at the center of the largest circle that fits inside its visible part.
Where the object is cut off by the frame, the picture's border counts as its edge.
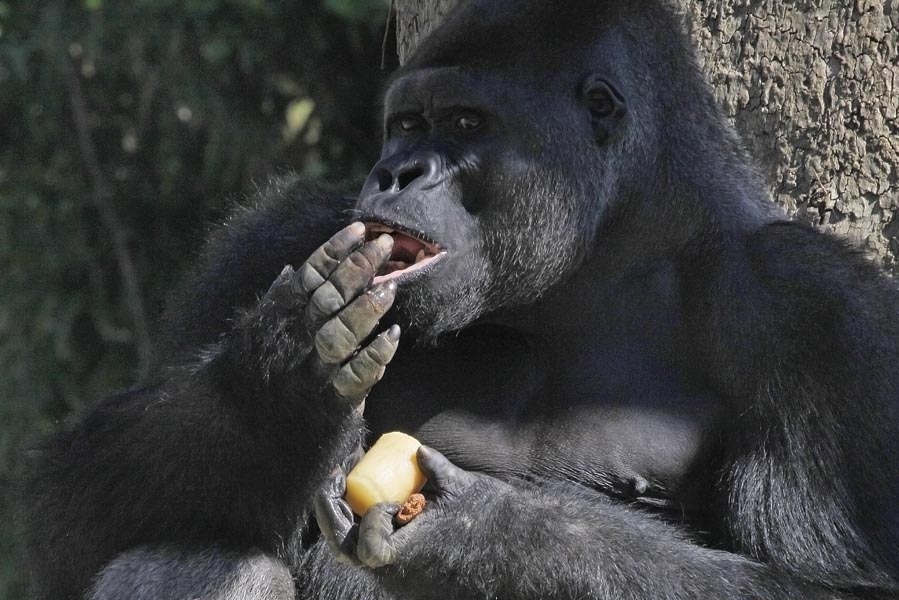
(632, 376)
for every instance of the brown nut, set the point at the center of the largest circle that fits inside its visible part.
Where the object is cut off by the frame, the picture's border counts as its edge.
(410, 509)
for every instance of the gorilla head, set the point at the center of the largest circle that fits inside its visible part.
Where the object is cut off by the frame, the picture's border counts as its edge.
(496, 166)
(504, 159)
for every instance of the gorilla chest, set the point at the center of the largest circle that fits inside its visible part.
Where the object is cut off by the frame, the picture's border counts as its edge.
(623, 425)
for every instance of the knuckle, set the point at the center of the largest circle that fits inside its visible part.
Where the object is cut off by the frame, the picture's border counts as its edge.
(334, 342)
(374, 554)
(347, 383)
(360, 317)
(365, 552)
(327, 300)
(331, 250)
(373, 357)
(359, 372)
(360, 260)
(374, 304)
(310, 277)
(359, 322)
(383, 352)
(349, 281)
(326, 257)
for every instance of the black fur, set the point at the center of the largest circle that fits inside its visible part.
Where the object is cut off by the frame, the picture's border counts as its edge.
(666, 390)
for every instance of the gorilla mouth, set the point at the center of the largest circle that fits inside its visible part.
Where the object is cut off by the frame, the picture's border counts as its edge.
(412, 255)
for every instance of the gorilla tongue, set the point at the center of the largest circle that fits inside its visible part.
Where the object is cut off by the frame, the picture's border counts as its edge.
(409, 254)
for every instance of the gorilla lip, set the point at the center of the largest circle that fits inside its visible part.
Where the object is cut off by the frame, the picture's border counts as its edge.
(412, 255)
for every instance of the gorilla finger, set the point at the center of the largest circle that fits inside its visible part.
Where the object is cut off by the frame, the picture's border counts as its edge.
(354, 274)
(339, 338)
(354, 379)
(348, 280)
(318, 267)
(377, 545)
(285, 293)
(441, 473)
(335, 519)
(350, 461)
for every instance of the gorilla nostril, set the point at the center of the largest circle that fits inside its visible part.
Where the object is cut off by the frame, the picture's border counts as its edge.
(408, 176)
(385, 180)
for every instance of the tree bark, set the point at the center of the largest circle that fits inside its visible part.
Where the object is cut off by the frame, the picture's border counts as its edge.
(414, 20)
(813, 88)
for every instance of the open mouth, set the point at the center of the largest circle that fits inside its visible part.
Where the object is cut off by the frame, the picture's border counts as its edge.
(411, 255)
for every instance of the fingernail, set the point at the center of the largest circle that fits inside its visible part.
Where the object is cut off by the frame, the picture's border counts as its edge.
(357, 229)
(384, 241)
(393, 334)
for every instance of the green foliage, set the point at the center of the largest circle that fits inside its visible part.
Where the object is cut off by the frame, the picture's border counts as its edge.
(125, 129)
(358, 9)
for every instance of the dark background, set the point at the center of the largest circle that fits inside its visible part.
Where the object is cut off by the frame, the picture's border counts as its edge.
(126, 128)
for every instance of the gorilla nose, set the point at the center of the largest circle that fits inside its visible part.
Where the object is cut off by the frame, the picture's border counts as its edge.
(388, 181)
(393, 176)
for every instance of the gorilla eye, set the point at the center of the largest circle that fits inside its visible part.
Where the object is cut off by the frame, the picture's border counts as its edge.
(410, 123)
(468, 121)
(602, 106)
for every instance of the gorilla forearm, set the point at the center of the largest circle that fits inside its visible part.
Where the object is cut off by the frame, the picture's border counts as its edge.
(170, 573)
(175, 466)
(321, 577)
(561, 541)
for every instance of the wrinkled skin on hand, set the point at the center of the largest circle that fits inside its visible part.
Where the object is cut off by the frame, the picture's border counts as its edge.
(375, 541)
(314, 320)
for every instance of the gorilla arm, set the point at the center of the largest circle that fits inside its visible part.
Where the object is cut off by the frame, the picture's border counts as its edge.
(229, 449)
(808, 481)
(554, 541)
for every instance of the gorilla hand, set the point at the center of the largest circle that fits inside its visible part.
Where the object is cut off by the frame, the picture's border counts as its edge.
(454, 496)
(317, 317)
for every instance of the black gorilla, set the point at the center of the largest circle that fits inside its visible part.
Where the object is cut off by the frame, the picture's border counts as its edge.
(648, 383)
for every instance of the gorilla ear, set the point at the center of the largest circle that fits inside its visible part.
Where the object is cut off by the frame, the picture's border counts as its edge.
(606, 106)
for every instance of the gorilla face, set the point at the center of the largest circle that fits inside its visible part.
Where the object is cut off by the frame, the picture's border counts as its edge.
(492, 188)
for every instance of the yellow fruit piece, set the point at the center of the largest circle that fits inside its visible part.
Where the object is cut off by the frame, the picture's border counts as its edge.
(388, 472)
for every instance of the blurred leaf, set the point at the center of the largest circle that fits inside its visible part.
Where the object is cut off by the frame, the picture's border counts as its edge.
(17, 59)
(296, 115)
(93, 5)
(216, 50)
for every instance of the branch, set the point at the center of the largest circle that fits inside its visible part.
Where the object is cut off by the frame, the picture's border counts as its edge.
(101, 197)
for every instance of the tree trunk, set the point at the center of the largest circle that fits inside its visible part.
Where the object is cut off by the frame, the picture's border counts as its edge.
(414, 20)
(813, 88)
